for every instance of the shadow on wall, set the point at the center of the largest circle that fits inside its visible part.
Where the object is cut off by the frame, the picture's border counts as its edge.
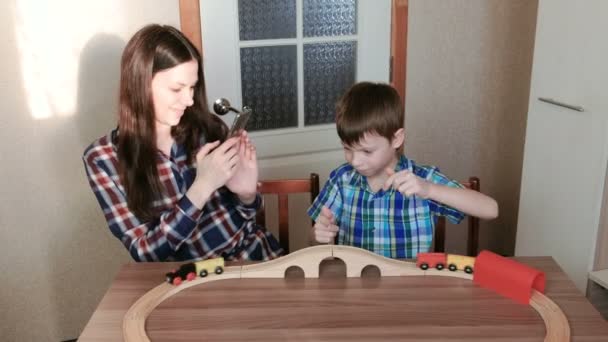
(85, 256)
(98, 81)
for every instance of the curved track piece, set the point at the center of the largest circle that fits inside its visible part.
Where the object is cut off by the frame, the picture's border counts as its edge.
(556, 322)
(309, 259)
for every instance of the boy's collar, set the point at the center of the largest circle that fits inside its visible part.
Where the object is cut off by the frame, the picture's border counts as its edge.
(404, 163)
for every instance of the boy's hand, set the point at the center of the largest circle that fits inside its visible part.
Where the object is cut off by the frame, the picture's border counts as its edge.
(325, 229)
(407, 183)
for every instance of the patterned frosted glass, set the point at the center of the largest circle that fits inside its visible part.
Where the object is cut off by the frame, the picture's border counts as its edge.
(267, 19)
(269, 86)
(330, 18)
(329, 70)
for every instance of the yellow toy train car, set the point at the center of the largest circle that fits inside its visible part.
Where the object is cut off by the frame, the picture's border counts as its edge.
(460, 262)
(190, 270)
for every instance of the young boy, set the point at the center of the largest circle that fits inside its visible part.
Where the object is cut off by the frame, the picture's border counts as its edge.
(380, 200)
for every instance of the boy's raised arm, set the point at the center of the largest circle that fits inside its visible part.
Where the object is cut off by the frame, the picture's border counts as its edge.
(468, 201)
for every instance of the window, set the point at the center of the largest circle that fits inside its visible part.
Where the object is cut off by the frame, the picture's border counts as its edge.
(290, 61)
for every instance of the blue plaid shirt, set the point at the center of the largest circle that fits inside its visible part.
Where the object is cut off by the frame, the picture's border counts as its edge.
(384, 222)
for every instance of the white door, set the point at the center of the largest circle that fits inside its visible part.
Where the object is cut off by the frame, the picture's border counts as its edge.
(222, 49)
(566, 150)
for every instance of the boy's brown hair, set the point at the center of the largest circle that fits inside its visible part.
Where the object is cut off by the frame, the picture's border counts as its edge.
(369, 108)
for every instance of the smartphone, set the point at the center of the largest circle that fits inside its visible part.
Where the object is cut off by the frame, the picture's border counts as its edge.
(240, 122)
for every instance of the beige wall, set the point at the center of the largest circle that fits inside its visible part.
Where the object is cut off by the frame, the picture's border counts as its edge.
(468, 80)
(59, 67)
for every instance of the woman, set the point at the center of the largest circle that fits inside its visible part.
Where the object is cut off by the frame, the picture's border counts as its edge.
(169, 182)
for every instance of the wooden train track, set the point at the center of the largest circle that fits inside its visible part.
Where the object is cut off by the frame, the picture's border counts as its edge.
(308, 259)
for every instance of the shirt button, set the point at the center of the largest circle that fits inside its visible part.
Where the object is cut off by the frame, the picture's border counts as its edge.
(373, 230)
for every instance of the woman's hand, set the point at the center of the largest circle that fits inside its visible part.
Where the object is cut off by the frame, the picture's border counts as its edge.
(244, 181)
(215, 165)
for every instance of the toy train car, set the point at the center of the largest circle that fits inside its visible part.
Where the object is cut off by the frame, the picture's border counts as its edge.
(441, 260)
(190, 270)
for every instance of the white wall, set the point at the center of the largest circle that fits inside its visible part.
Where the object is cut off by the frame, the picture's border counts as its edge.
(561, 204)
(59, 67)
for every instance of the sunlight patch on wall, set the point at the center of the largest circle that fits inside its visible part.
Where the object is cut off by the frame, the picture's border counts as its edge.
(50, 38)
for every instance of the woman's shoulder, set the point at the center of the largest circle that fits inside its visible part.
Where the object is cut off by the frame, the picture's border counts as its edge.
(101, 148)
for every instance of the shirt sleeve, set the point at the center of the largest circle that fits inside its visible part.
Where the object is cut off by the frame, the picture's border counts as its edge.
(331, 197)
(156, 240)
(438, 208)
(248, 211)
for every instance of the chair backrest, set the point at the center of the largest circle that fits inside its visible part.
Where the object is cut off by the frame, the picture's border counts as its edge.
(473, 229)
(282, 188)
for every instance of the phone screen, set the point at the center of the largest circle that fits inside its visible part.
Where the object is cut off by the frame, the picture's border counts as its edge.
(240, 122)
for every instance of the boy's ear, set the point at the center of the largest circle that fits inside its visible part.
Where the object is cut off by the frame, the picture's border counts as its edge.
(398, 138)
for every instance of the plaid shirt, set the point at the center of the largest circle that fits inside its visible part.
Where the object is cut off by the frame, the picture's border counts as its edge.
(386, 222)
(223, 228)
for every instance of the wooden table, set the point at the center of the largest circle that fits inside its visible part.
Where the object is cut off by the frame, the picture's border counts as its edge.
(335, 308)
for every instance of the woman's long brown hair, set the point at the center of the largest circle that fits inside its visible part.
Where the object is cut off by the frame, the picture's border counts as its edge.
(152, 49)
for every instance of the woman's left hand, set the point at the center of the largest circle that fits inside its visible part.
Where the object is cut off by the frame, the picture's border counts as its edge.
(244, 182)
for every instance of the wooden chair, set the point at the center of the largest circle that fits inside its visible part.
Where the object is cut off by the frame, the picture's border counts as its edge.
(282, 188)
(473, 230)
